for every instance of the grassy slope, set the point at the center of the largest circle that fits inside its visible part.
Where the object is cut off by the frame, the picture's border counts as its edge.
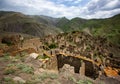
(17, 22)
(109, 27)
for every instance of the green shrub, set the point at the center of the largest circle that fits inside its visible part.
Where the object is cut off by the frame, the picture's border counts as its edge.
(88, 48)
(6, 56)
(80, 81)
(25, 68)
(8, 80)
(33, 81)
(52, 46)
(84, 82)
(10, 70)
(46, 75)
(28, 70)
(72, 79)
(10, 65)
(42, 56)
(53, 76)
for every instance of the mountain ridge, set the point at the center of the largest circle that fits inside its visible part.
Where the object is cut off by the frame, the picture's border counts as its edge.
(44, 25)
(18, 22)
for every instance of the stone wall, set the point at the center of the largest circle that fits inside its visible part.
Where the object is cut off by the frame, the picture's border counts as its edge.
(82, 67)
(76, 63)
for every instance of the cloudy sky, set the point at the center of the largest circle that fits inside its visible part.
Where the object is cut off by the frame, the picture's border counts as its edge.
(60, 8)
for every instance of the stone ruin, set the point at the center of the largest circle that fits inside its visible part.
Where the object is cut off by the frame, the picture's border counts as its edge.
(74, 65)
(71, 64)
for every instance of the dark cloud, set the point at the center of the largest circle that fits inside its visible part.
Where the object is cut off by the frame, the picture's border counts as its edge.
(3, 4)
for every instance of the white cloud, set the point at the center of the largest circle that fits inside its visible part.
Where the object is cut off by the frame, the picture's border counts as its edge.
(105, 14)
(94, 8)
(77, 1)
(112, 4)
(101, 8)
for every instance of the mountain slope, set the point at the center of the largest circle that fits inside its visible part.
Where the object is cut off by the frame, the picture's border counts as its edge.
(56, 22)
(45, 19)
(45, 25)
(18, 22)
(109, 27)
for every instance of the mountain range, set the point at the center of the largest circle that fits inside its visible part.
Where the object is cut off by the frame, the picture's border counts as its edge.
(40, 25)
(20, 23)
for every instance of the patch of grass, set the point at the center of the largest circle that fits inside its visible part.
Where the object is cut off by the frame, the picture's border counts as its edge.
(6, 56)
(25, 68)
(46, 75)
(41, 78)
(19, 57)
(8, 80)
(72, 79)
(42, 56)
(28, 70)
(84, 82)
(32, 81)
(10, 65)
(53, 76)
(14, 60)
(9, 70)
(20, 66)
(23, 54)
(80, 81)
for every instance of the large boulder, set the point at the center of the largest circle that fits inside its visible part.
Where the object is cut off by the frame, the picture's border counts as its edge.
(34, 55)
(67, 69)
